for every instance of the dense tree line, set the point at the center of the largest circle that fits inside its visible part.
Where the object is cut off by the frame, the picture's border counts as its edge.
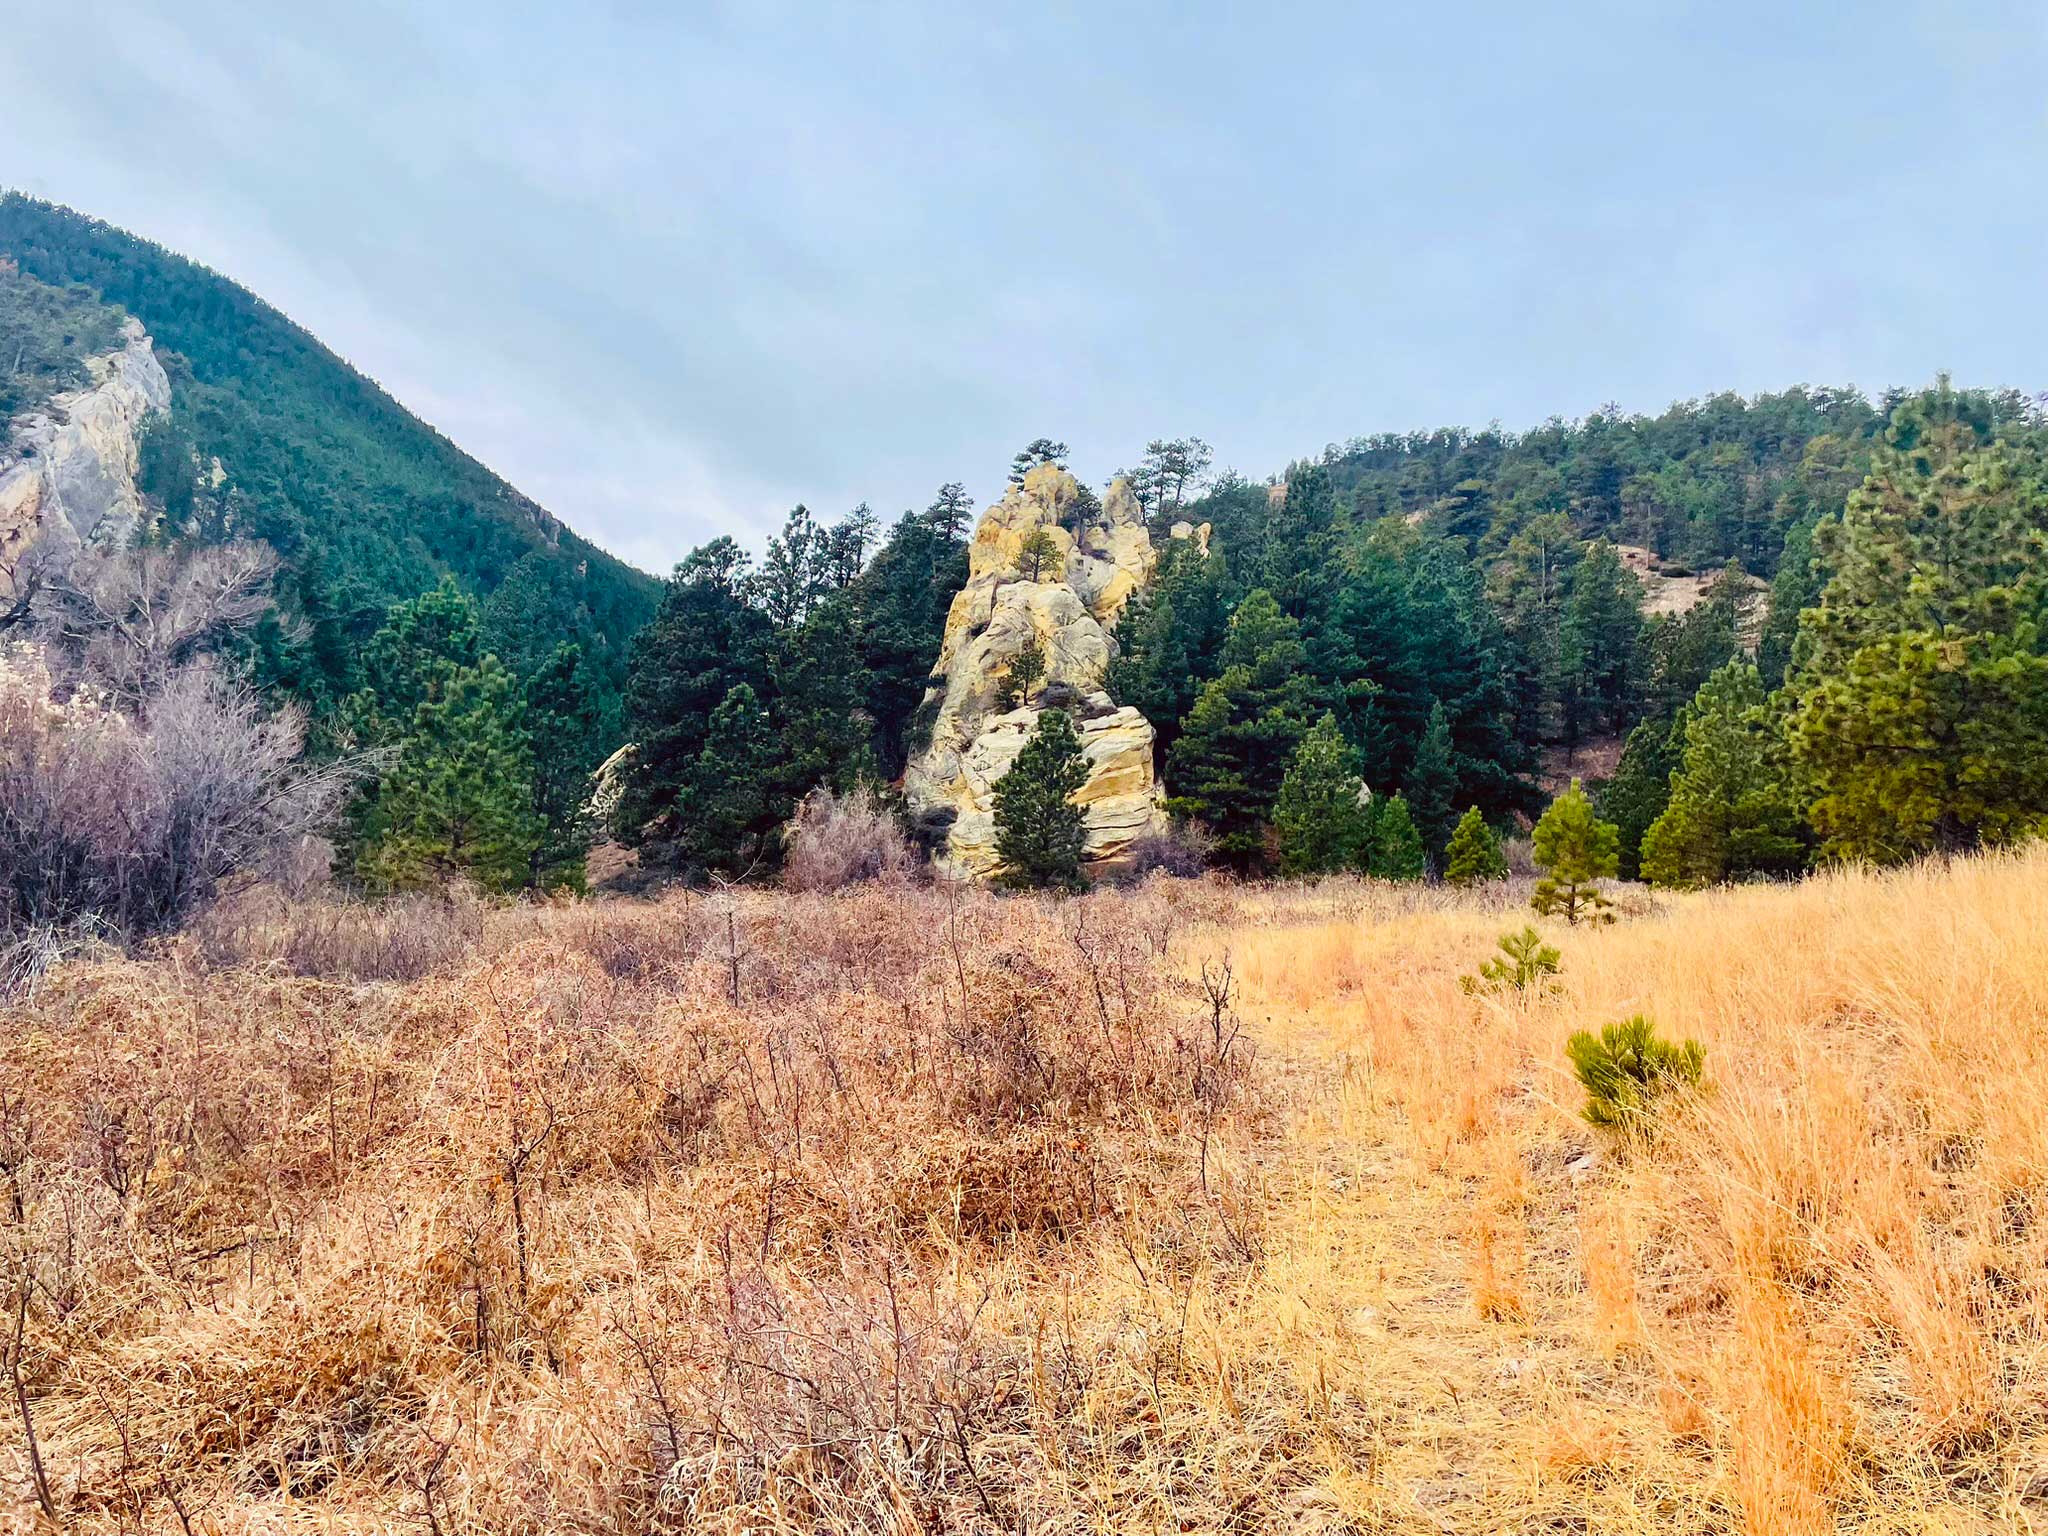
(46, 333)
(1337, 683)
(757, 682)
(1885, 698)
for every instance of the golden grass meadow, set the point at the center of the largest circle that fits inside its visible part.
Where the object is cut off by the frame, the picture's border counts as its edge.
(1184, 1208)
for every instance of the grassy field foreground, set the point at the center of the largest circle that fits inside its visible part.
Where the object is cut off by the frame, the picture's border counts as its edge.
(1182, 1209)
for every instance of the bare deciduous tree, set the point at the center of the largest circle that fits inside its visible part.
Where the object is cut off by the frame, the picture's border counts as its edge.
(127, 620)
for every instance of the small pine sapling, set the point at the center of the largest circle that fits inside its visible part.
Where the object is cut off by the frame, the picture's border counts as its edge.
(1575, 849)
(1039, 552)
(1027, 671)
(1473, 853)
(1524, 961)
(1626, 1067)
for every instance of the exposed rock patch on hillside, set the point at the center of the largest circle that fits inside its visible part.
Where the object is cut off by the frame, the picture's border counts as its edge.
(67, 473)
(1100, 557)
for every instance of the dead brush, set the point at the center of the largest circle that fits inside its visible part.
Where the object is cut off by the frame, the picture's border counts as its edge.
(852, 1398)
(560, 1236)
(401, 939)
(955, 1212)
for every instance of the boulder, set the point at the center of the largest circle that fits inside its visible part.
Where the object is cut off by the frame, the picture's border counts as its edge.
(1102, 558)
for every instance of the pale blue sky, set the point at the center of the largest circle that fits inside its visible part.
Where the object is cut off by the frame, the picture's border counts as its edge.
(673, 268)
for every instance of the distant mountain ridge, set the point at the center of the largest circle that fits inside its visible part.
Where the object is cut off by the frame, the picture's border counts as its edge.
(287, 442)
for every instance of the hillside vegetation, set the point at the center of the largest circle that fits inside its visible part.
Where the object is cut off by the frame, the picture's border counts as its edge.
(367, 504)
(46, 333)
(1189, 1208)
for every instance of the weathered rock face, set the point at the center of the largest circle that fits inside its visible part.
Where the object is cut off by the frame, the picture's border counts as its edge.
(1070, 610)
(67, 473)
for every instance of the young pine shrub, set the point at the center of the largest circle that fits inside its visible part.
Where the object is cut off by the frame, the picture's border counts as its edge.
(1524, 961)
(1321, 814)
(1627, 1067)
(1397, 852)
(1473, 853)
(1575, 849)
(1040, 831)
(835, 841)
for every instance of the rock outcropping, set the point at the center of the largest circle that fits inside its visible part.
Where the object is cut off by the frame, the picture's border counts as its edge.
(1099, 557)
(67, 472)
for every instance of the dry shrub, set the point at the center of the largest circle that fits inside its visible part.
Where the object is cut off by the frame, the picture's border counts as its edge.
(127, 622)
(1182, 851)
(923, 1209)
(660, 1217)
(400, 939)
(839, 840)
(133, 821)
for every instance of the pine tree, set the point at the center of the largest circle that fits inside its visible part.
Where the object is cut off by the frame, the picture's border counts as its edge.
(1731, 812)
(1039, 828)
(1432, 781)
(1320, 814)
(1026, 672)
(567, 739)
(1597, 644)
(1300, 539)
(1408, 628)
(1038, 554)
(728, 807)
(421, 645)
(1920, 700)
(1040, 450)
(706, 639)
(1169, 636)
(1396, 844)
(1235, 743)
(1170, 471)
(457, 803)
(529, 612)
(1641, 787)
(901, 600)
(1473, 853)
(816, 687)
(1575, 850)
(1796, 588)
(947, 515)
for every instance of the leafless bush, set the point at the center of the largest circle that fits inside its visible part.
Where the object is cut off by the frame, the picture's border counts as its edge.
(856, 1397)
(124, 623)
(1181, 851)
(727, 1184)
(134, 820)
(839, 840)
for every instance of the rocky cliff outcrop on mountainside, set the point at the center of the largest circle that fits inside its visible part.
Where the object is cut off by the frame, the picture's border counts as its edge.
(67, 472)
(1100, 557)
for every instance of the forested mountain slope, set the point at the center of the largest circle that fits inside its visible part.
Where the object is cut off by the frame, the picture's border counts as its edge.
(367, 504)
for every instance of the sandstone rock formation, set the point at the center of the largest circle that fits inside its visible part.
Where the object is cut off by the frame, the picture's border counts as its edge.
(67, 472)
(1101, 557)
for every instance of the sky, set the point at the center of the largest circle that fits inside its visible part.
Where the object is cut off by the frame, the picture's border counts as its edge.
(673, 268)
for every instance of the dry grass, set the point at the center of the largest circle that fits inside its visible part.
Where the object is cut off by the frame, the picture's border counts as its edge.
(911, 1211)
